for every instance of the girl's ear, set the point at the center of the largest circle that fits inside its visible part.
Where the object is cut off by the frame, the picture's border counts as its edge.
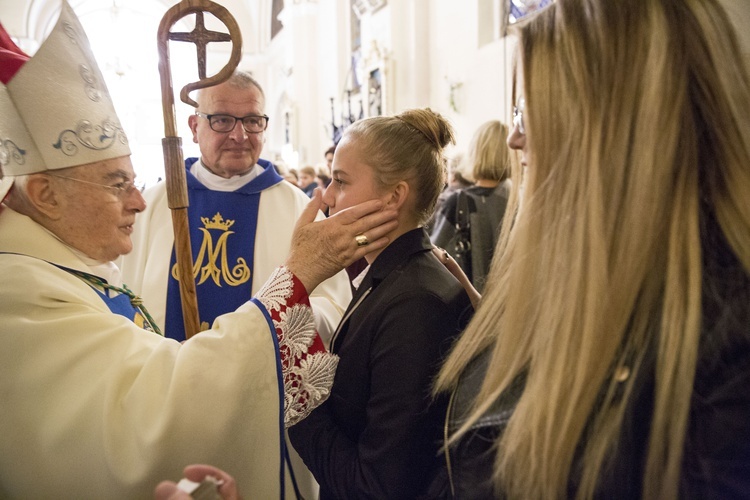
(398, 195)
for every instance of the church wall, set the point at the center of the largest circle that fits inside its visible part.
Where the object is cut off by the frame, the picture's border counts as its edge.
(271, 70)
(307, 64)
(331, 71)
(437, 53)
(410, 56)
(471, 83)
(429, 53)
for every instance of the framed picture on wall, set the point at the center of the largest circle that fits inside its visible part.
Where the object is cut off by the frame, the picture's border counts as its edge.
(362, 7)
(376, 77)
(375, 93)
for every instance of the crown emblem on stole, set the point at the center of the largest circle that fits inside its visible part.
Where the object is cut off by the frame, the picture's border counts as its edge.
(217, 222)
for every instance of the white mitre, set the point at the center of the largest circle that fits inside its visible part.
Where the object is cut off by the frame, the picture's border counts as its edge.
(56, 111)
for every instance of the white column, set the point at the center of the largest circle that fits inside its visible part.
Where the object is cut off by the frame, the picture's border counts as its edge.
(410, 59)
(300, 18)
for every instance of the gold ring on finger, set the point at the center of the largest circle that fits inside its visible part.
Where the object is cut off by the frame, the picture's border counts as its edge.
(361, 240)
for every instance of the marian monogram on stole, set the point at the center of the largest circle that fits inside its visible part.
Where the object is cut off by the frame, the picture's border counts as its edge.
(212, 260)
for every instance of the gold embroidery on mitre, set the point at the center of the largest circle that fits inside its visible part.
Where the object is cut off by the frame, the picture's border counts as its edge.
(216, 264)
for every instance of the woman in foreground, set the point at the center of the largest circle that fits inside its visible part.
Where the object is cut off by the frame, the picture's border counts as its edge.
(610, 356)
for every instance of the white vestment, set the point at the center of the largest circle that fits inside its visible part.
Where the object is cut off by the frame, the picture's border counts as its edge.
(95, 407)
(145, 269)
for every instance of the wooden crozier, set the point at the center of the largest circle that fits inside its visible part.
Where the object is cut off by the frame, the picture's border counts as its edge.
(177, 196)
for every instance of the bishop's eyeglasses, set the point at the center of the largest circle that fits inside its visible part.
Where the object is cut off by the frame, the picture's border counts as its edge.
(120, 189)
(225, 123)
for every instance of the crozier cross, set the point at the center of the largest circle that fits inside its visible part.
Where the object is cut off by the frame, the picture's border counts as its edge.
(201, 37)
(174, 166)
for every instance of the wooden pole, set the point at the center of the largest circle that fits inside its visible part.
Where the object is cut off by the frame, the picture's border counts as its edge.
(177, 196)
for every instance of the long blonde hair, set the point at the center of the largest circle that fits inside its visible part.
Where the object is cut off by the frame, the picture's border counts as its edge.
(637, 114)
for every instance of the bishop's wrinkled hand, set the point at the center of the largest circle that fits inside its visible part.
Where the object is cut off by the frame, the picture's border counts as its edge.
(322, 248)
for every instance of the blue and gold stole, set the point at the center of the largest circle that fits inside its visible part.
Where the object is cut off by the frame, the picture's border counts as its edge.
(119, 300)
(222, 236)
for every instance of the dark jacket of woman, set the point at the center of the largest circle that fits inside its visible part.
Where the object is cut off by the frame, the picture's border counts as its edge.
(716, 462)
(379, 433)
(468, 226)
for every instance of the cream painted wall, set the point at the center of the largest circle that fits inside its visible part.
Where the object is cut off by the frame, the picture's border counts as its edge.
(483, 73)
(425, 47)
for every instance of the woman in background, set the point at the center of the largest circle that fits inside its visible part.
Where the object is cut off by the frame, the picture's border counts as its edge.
(610, 355)
(477, 210)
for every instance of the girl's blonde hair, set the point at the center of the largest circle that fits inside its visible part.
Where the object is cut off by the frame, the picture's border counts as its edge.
(637, 120)
(409, 146)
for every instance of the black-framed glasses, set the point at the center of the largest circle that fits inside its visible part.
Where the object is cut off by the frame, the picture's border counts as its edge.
(518, 115)
(119, 189)
(225, 123)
